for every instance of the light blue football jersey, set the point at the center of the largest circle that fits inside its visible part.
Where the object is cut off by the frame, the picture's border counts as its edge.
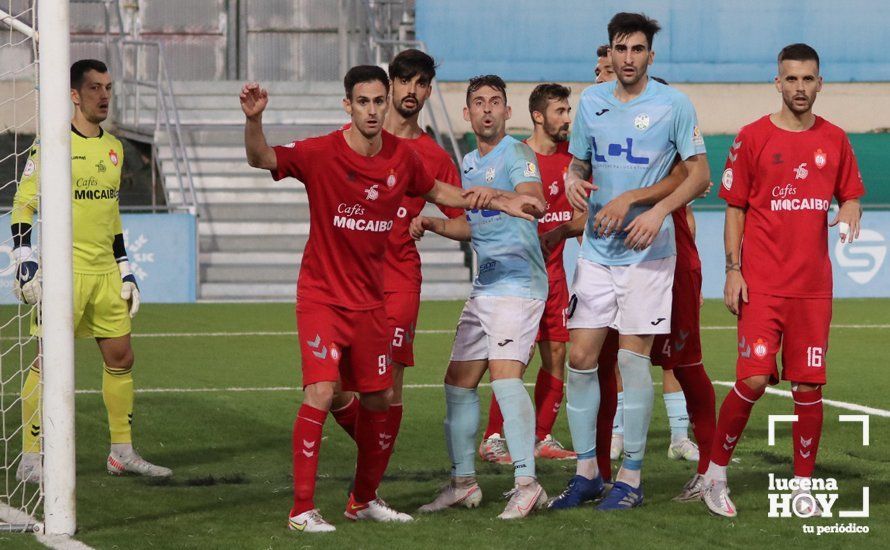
(508, 250)
(630, 146)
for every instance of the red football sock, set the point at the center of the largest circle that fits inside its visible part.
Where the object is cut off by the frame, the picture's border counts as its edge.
(807, 430)
(734, 414)
(306, 443)
(393, 423)
(346, 416)
(606, 415)
(548, 399)
(700, 404)
(495, 419)
(374, 449)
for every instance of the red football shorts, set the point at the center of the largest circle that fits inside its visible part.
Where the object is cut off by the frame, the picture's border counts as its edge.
(401, 314)
(553, 321)
(345, 345)
(799, 325)
(682, 347)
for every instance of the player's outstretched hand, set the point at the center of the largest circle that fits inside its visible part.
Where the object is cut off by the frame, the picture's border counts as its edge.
(253, 99)
(577, 191)
(480, 197)
(611, 217)
(735, 288)
(849, 217)
(525, 207)
(643, 230)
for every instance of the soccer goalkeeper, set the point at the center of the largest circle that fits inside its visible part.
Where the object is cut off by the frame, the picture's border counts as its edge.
(106, 296)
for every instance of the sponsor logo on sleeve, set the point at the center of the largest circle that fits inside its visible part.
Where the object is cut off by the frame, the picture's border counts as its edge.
(697, 138)
(727, 179)
(530, 170)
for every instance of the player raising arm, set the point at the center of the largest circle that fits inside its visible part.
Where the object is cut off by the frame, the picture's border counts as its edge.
(782, 172)
(355, 179)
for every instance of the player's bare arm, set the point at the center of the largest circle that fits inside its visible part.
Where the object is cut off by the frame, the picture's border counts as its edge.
(849, 216)
(254, 100)
(578, 185)
(611, 217)
(457, 229)
(526, 204)
(735, 288)
(572, 228)
(641, 232)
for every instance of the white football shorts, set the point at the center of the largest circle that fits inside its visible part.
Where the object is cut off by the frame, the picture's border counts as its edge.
(633, 299)
(497, 327)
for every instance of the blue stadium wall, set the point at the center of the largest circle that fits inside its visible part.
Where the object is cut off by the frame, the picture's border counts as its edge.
(701, 41)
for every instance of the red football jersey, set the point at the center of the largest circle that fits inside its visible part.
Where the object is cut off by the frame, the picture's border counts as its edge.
(687, 253)
(353, 202)
(401, 271)
(553, 169)
(785, 181)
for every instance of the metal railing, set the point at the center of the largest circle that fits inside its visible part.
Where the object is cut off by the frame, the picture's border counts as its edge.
(144, 76)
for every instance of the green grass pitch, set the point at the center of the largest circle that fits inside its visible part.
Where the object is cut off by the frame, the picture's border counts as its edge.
(230, 448)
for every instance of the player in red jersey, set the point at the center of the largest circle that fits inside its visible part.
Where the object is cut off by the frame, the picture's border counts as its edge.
(782, 172)
(355, 179)
(549, 107)
(411, 73)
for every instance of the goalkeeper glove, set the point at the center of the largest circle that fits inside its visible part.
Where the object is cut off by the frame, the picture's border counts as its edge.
(27, 276)
(129, 288)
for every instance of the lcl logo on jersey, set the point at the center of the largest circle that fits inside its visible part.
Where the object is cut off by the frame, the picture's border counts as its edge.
(863, 258)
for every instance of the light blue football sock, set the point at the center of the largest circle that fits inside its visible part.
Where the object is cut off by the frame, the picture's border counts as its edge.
(519, 424)
(678, 418)
(638, 400)
(618, 423)
(461, 424)
(582, 406)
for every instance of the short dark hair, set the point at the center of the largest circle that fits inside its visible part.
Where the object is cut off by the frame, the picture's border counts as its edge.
(80, 68)
(409, 63)
(543, 93)
(625, 24)
(491, 80)
(799, 52)
(364, 73)
(602, 51)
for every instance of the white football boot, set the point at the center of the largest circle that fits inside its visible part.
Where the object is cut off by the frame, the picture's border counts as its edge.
(468, 496)
(715, 494)
(524, 499)
(692, 490)
(376, 510)
(129, 460)
(684, 449)
(310, 522)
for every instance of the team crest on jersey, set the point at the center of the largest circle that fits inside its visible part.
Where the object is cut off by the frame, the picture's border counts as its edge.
(112, 156)
(391, 179)
(530, 169)
(29, 168)
(760, 348)
(489, 175)
(820, 158)
(641, 122)
(371, 193)
(727, 179)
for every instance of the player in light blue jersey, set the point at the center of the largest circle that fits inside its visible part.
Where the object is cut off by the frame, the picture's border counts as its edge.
(498, 325)
(627, 135)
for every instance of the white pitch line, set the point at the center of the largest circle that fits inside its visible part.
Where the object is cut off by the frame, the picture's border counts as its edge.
(422, 331)
(12, 515)
(839, 404)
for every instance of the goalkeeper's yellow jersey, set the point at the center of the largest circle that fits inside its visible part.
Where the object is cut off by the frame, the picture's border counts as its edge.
(95, 184)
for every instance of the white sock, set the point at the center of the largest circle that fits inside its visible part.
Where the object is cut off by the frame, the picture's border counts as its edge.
(122, 449)
(715, 473)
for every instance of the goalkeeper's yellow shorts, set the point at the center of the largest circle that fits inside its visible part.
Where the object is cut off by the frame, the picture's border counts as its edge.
(99, 310)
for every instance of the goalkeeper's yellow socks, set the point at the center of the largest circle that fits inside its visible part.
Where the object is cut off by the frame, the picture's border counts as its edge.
(31, 411)
(117, 392)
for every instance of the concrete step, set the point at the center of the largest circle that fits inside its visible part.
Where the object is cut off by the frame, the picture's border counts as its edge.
(295, 243)
(309, 102)
(275, 88)
(448, 258)
(286, 292)
(252, 274)
(212, 117)
(273, 210)
(243, 197)
(232, 135)
(259, 180)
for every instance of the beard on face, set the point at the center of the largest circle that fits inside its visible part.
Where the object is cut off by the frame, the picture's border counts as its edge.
(557, 133)
(408, 112)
